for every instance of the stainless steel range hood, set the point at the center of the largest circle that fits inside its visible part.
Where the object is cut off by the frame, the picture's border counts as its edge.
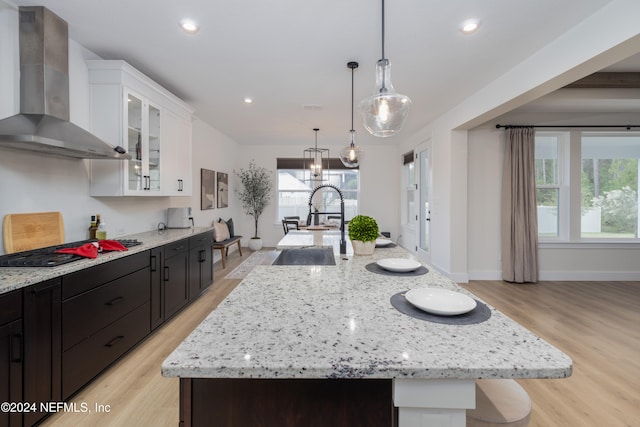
(43, 122)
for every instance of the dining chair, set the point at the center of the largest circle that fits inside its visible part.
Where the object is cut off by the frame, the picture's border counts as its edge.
(289, 224)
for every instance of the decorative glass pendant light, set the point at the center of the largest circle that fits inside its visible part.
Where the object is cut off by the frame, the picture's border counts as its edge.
(316, 160)
(350, 155)
(384, 112)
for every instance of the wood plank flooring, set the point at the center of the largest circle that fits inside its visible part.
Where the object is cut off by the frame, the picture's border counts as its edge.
(596, 323)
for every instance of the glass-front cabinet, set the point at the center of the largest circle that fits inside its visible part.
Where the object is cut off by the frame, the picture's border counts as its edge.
(130, 110)
(143, 144)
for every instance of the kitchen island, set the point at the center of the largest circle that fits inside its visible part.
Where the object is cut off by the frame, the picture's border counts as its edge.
(322, 345)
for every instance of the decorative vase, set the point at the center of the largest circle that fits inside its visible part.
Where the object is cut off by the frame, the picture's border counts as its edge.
(363, 248)
(255, 243)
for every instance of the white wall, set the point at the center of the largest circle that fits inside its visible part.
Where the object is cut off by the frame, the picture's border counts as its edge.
(214, 151)
(486, 154)
(379, 184)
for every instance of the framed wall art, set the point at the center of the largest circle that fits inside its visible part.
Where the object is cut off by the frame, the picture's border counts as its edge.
(223, 189)
(207, 189)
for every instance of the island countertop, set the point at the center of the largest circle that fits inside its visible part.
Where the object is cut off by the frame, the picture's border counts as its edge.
(337, 322)
(12, 278)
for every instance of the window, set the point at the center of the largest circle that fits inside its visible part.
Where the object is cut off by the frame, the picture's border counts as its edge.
(609, 182)
(547, 168)
(601, 202)
(294, 190)
(409, 184)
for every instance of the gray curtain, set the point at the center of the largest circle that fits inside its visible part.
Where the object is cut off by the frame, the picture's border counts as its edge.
(519, 211)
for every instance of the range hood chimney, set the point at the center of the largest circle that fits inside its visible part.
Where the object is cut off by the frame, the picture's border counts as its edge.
(43, 122)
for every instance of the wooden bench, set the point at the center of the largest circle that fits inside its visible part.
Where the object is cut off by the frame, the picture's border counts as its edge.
(224, 247)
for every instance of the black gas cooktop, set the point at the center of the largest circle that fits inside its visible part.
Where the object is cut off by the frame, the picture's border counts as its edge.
(46, 257)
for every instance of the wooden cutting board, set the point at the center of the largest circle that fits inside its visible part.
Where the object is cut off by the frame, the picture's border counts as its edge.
(26, 231)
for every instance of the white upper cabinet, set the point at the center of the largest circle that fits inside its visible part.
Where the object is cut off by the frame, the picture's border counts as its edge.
(130, 110)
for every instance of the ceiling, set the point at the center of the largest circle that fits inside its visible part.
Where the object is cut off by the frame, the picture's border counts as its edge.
(290, 56)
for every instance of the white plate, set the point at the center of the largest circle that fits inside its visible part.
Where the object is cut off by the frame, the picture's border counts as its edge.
(383, 242)
(399, 265)
(440, 301)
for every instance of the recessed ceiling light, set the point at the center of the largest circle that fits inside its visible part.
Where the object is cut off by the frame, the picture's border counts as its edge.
(248, 100)
(189, 26)
(470, 26)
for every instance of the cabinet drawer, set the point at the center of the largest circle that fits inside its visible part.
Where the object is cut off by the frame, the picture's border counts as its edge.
(201, 240)
(91, 311)
(84, 361)
(84, 280)
(10, 306)
(176, 248)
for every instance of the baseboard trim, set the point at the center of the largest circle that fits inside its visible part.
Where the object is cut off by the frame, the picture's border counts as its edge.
(587, 276)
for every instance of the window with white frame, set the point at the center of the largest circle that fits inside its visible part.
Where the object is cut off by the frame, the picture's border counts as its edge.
(550, 197)
(601, 202)
(294, 189)
(609, 182)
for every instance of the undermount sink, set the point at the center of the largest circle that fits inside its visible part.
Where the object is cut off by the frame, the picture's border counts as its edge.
(306, 256)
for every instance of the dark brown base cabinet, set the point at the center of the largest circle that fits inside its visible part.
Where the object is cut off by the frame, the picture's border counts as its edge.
(243, 402)
(56, 336)
(42, 346)
(175, 277)
(105, 312)
(11, 355)
(180, 272)
(157, 288)
(200, 264)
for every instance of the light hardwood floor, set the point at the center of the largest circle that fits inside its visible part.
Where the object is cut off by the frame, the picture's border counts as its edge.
(596, 323)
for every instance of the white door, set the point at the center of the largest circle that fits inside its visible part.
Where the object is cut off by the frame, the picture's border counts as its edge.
(424, 200)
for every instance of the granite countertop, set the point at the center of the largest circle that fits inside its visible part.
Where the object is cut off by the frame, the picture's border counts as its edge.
(16, 278)
(337, 322)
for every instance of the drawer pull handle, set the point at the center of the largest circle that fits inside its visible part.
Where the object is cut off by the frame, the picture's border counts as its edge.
(114, 341)
(154, 263)
(179, 248)
(203, 255)
(115, 301)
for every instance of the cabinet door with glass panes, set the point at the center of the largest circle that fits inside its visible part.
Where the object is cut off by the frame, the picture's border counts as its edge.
(142, 136)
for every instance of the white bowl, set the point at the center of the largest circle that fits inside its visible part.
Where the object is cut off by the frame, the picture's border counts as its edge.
(440, 301)
(383, 242)
(399, 265)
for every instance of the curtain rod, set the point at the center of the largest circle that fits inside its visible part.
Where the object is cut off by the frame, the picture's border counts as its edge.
(628, 127)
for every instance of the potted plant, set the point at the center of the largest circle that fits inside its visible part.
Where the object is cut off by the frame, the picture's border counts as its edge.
(255, 196)
(363, 232)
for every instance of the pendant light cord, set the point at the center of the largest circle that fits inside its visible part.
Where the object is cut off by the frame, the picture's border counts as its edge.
(352, 101)
(383, 29)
